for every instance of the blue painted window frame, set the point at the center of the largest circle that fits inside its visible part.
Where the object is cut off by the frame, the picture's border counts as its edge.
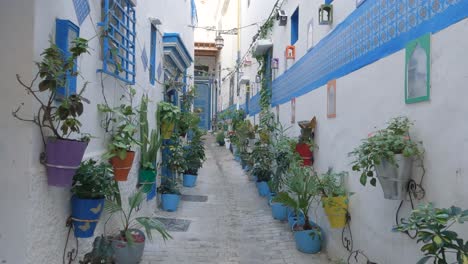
(152, 67)
(119, 50)
(63, 28)
(328, 2)
(295, 26)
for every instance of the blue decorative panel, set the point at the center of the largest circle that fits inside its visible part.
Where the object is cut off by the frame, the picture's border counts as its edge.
(295, 26)
(81, 10)
(65, 33)
(144, 58)
(375, 30)
(119, 25)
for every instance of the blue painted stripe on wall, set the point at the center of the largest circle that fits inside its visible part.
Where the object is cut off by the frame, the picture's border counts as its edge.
(373, 31)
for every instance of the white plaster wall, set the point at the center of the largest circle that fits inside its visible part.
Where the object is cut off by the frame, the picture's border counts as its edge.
(367, 99)
(34, 214)
(16, 53)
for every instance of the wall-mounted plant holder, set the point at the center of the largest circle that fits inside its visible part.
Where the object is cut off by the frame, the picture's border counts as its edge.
(326, 14)
(275, 63)
(290, 52)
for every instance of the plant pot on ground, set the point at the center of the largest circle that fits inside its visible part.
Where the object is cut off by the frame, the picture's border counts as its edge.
(283, 148)
(58, 111)
(194, 153)
(168, 115)
(388, 154)
(262, 158)
(121, 123)
(92, 183)
(129, 243)
(335, 198)
(150, 144)
(170, 195)
(220, 138)
(301, 190)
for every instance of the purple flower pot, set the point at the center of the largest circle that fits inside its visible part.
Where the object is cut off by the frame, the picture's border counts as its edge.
(63, 157)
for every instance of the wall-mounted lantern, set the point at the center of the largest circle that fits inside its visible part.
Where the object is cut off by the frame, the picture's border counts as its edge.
(275, 63)
(290, 52)
(326, 14)
(282, 18)
(219, 42)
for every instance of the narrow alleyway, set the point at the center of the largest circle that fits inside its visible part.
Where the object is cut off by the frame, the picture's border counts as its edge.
(233, 225)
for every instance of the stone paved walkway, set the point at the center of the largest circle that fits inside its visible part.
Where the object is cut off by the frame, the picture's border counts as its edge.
(233, 226)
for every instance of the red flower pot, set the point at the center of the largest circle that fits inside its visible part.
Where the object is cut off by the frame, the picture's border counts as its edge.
(307, 155)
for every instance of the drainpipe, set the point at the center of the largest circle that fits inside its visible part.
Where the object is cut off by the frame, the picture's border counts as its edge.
(238, 50)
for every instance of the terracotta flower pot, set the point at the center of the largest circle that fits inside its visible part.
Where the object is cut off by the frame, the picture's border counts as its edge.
(122, 167)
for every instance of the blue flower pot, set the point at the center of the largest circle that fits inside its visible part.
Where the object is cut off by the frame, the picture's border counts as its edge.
(279, 211)
(85, 215)
(189, 180)
(263, 188)
(270, 197)
(309, 241)
(170, 202)
(293, 219)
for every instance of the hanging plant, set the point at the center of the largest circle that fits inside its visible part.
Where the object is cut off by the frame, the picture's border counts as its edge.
(58, 114)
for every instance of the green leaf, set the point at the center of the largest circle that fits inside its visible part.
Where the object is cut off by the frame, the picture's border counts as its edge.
(373, 182)
(363, 179)
(438, 240)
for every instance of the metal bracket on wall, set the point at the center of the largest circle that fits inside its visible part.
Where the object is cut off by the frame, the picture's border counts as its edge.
(69, 256)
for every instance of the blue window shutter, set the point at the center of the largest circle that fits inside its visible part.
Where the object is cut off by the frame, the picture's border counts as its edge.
(65, 33)
(152, 68)
(295, 26)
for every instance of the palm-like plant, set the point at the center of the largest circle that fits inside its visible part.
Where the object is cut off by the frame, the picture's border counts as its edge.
(301, 190)
(129, 221)
(284, 156)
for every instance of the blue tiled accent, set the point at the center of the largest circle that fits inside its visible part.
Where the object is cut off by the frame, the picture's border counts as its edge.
(81, 10)
(144, 58)
(119, 25)
(373, 31)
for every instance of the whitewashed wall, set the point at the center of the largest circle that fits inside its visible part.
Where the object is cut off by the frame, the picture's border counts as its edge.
(34, 214)
(366, 99)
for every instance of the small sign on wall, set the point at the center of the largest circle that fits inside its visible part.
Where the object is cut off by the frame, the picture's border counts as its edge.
(293, 110)
(331, 99)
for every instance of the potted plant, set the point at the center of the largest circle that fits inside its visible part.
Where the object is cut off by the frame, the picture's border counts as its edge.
(284, 156)
(58, 113)
(123, 130)
(389, 152)
(305, 146)
(432, 226)
(194, 153)
(92, 183)
(129, 243)
(168, 116)
(301, 191)
(262, 168)
(150, 144)
(170, 195)
(220, 138)
(334, 197)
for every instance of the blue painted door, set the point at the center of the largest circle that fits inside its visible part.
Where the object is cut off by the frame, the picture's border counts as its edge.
(202, 103)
